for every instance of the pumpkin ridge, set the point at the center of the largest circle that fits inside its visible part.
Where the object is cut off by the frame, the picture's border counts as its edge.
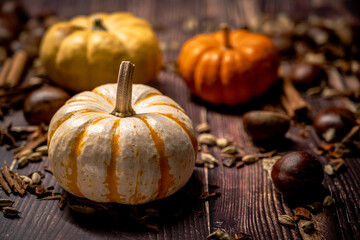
(103, 96)
(111, 179)
(147, 97)
(166, 180)
(184, 128)
(166, 104)
(75, 152)
(69, 116)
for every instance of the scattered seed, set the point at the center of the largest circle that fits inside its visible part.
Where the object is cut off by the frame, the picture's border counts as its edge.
(286, 220)
(207, 139)
(6, 202)
(222, 142)
(248, 159)
(314, 207)
(25, 153)
(329, 170)
(42, 149)
(22, 162)
(232, 149)
(35, 157)
(36, 178)
(10, 212)
(308, 227)
(203, 127)
(328, 201)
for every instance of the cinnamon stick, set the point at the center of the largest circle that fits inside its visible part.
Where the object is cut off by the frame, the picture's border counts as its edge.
(12, 183)
(17, 68)
(20, 186)
(5, 71)
(31, 145)
(5, 185)
(291, 100)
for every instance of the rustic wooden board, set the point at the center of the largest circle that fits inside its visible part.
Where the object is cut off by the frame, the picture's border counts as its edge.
(248, 202)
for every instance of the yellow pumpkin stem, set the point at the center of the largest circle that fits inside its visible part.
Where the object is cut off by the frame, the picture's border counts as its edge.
(98, 26)
(226, 34)
(123, 106)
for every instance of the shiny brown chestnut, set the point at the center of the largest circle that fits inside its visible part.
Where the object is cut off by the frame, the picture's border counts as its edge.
(41, 104)
(333, 123)
(265, 125)
(305, 74)
(297, 175)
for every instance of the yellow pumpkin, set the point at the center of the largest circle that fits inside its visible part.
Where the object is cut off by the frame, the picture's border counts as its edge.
(86, 51)
(145, 149)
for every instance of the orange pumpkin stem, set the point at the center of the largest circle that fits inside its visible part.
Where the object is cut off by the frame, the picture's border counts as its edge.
(123, 107)
(226, 34)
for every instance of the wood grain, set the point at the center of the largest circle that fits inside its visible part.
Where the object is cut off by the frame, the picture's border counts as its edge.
(248, 202)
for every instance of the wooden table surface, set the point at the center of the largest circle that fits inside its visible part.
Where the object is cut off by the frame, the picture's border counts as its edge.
(248, 201)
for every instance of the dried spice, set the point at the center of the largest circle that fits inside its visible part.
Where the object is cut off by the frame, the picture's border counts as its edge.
(336, 164)
(286, 221)
(328, 201)
(314, 207)
(207, 139)
(239, 164)
(308, 227)
(22, 162)
(6, 202)
(206, 196)
(222, 142)
(203, 127)
(228, 161)
(35, 178)
(302, 213)
(42, 149)
(232, 149)
(10, 212)
(248, 159)
(219, 234)
(242, 236)
(82, 209)
(35, 157)
(328, 169)
(209, 160)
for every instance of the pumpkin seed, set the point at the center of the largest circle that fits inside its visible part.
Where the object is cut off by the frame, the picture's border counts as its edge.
(10, 212)
(248, 159)
(329, 170)
(222, 142)
(232, 149)
(82, 209)
(203, 127)
(308, 227)
(286, 220)
(22, 162)
(328, 201)
(42, 149)
(35, 178)
(6, 202)
(35, 157)
(206, 139)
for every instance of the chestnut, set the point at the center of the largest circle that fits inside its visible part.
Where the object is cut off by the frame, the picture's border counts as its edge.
(297, 175)
(333, 123)
(304, 75)
(265, 125)
(41, 104)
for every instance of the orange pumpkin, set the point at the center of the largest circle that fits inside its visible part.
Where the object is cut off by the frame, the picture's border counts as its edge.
(228, 67)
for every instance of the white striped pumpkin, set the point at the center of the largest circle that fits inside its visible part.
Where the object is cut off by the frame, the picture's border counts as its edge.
(131, 160)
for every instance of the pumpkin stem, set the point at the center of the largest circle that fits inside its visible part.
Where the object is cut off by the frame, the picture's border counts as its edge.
(123, 106)
(98, 26)
(226, 34)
